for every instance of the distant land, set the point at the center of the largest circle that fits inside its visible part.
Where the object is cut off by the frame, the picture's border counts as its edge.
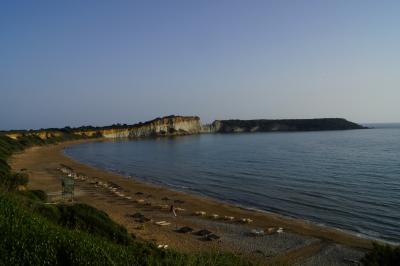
(186, 125)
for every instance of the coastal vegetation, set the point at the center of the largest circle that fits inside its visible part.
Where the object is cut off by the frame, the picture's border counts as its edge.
(382, 255)
(34, 232)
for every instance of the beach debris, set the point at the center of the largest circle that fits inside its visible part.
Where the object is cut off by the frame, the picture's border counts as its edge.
(280, 230)
(185, 230)
(229, 218)
(200, 213)
(214, 216)
(162, 223)
(162, 246)
(256, 232)
(246, 220)
(203, 232)
(179, 201)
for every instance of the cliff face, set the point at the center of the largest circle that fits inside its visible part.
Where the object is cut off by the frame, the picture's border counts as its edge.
(185, 125)
(262, 125)
(165, 126)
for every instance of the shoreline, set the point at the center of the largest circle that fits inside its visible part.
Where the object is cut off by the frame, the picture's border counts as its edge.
(236, 205)
(305, 239)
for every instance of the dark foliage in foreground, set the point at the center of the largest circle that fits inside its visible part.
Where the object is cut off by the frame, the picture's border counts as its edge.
(84, 218)
(382, 255)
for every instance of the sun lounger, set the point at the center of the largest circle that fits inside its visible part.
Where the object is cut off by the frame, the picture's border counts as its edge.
(280, 230)
(271, 230)
(246, 220)
(162, 246)
(229, 218)
(214, 216)
(256, 232)
(162, 223)
(200, 213)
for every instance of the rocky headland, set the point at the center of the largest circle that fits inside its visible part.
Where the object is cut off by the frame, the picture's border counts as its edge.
(187, 125)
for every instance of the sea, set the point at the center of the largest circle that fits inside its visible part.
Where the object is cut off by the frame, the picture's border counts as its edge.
(349, 180)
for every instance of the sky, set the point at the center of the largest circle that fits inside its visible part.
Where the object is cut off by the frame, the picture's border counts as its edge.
(73, 63)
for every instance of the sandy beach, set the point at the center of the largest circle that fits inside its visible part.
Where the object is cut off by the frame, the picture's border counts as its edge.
(121, 197)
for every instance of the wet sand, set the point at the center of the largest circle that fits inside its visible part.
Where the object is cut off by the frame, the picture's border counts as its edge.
(300, 243)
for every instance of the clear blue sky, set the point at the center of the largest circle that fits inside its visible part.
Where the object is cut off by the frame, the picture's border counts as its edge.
(103, 62)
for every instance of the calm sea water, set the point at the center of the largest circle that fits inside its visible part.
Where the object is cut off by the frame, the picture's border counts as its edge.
(345, 179)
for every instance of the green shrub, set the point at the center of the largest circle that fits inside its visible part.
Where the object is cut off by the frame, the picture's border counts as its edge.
(13, 181)
(37, 195)
(49, 211)
(92, 220)
(382, 255)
